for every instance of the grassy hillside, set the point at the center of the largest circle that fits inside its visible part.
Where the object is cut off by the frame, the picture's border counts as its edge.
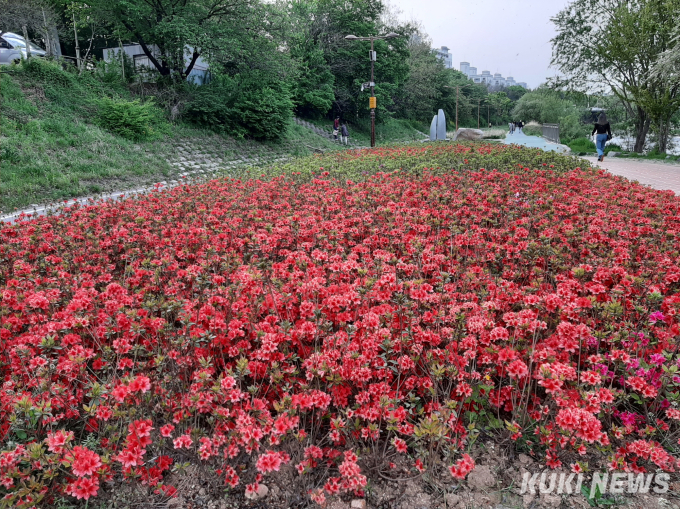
(391, 131)
(53, 145)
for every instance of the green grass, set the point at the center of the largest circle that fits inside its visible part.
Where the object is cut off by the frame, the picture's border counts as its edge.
(653, 155)
(53, 148)
(532, 130)
(51, 152)
(582, 145)
(390, 131)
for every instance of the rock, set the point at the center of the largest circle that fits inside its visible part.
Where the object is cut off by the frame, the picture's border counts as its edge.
(481, 500)
(358, 503)
(550, 500)
(468, 134)
(201, 492)
(525, 460)
(452, 500)
(481, 478)
(612, 154)
(261, 492)
(337, 504)
(175, 503)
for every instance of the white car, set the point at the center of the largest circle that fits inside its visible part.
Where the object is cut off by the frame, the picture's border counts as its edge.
(13, 49)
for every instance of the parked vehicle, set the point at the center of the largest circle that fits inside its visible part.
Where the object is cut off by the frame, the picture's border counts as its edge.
(13, 49)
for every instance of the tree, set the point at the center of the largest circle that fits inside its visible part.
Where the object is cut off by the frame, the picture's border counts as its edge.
(423, 89)
(312, 87)
(328, 23)
(34, 16)
(174, 33)
(542, 105)
(618, 42)
(501, 103)
(667, 70)
(515, 92)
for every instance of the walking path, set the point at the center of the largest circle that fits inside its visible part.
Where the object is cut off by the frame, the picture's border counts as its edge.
(658, 175)
(519, 138)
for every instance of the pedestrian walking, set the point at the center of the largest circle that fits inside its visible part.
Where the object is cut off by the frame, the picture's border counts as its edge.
(344, 132)
(336, 127)
(510, 125)
(603, 133)
(520, 124)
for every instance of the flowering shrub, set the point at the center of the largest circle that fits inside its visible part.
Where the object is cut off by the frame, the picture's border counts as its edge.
(343, 330)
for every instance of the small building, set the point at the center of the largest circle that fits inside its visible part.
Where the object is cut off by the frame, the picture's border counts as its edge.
(199, 75)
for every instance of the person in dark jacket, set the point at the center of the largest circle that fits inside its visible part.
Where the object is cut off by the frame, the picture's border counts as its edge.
(344, 132)
(604, 133)
(336, 127)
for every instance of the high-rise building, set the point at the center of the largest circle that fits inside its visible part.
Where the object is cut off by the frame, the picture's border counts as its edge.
(444, 54)
(487, 79)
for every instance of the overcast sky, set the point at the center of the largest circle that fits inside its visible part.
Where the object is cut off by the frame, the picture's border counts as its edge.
(511, 37)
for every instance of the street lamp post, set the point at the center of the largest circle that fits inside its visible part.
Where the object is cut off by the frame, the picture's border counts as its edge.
(457, 88)
(372, 103)
(479, 104)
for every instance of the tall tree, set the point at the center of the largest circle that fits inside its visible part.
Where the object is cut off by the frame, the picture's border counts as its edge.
(329, 23)
(29, 17)
(618, 42)
(423, 89)
(312, 86)
(174, 33)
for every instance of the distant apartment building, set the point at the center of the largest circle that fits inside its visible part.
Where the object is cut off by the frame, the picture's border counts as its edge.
(444, 54)
(486, 78)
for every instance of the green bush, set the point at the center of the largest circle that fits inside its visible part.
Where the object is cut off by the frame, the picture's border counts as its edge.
(582, 145)
(211, 107)
(48, 72)
(532, 130)
(133, 120)
(572, 129)
(242, 106)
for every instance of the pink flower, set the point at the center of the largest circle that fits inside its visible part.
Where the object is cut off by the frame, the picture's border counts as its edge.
(166, 431)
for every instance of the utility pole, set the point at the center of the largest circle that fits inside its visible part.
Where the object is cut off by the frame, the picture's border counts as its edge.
(122, 58)
(457, 89)
(488, 121)
(372, 100)
(75, 31)
(479, 104)
(48, 41)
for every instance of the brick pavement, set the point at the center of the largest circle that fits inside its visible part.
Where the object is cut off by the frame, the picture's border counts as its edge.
(659, 175)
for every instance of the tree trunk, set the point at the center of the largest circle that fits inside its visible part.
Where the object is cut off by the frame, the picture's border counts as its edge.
(641, 129)
(54, 40)
(75, 32)
(662, 143)
(28, 44)
(48, 41)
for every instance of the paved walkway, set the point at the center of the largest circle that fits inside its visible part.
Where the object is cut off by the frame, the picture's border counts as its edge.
(519, 138)
(658, 175)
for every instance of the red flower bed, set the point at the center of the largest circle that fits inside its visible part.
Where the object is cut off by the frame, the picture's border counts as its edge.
(341, 329)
